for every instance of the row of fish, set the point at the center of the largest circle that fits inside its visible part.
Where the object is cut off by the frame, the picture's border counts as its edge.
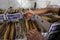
(16, 30)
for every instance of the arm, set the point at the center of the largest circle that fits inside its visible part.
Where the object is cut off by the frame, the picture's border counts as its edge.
(46, 10)
(41, 11)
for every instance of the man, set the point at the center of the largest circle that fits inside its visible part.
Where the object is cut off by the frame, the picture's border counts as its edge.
(34, 34)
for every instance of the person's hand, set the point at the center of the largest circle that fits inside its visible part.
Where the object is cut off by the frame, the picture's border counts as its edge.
(29, 14)
(34, 35)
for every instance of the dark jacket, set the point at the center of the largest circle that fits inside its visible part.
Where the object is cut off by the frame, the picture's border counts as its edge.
(54, 32)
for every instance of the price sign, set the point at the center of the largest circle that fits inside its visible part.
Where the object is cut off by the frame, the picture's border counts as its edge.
(2, 17)
(13, 16)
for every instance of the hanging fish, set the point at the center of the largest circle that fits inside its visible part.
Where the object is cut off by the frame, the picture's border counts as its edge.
(2, 30)
(17, 30)
(21, 32)
(6, 35)
(11, 36)
(27, 25)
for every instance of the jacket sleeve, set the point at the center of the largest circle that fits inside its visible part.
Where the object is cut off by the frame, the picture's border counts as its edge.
(54, 32)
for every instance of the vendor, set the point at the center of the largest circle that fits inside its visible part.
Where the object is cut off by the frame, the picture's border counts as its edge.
(34, 34)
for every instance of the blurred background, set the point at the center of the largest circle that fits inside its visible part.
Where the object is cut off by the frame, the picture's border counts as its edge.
(28, 3)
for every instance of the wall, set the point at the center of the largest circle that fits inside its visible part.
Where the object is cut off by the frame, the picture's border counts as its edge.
(27, 3)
